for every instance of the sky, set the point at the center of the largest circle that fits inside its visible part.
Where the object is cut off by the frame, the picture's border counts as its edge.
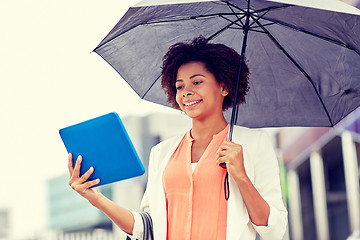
(50, 79)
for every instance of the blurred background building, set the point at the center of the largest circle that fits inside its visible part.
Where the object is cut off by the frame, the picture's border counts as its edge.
(323, 179)
(4, 223)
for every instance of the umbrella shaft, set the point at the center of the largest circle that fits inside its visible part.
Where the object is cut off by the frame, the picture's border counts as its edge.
(234, 113)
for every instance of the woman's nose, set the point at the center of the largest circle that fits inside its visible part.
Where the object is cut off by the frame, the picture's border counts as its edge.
(187, 92)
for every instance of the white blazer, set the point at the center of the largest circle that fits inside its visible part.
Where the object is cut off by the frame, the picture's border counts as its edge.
(262, 168)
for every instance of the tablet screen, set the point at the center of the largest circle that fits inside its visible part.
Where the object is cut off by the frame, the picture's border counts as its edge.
(104, 144)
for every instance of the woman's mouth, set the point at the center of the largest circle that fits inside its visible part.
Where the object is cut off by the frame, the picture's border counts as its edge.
(189, 104)
(192, 103)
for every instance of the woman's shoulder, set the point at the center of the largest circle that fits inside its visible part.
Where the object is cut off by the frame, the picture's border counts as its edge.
(244, 132)
(170, 142)
(250, 136)
(162, 151)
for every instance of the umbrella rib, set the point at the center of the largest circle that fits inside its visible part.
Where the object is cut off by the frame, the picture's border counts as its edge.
(265, 10)
(267, 24)
(235, 22)
(232, 10)
(314, 34)
(259, 10)
(188, 18)
(223, 29)
(253, 30)
(299, 67)
(175, 20)
(143, 96)
(253, 15)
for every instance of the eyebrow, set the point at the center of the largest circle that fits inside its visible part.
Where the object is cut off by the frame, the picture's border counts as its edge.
(195, 75)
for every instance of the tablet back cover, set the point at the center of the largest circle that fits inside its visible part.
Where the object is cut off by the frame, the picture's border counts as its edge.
(104, 144)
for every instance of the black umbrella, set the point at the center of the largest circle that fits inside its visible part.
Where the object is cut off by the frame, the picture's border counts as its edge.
(304, 56)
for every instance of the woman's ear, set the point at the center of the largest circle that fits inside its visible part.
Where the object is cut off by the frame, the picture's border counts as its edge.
(224, 90)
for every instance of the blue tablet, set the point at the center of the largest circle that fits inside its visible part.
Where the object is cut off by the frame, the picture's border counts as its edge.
(105, 145)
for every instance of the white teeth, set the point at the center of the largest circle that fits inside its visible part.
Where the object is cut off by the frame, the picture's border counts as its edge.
(191, 103)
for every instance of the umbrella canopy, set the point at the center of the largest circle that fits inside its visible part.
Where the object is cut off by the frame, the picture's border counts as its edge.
(303, 56)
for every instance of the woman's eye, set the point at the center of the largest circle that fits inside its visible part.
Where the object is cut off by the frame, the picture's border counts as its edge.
(197, 82)
(179, 87)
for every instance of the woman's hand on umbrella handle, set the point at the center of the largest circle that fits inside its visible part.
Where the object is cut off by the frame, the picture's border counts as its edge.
(231, 154)
(80, 183)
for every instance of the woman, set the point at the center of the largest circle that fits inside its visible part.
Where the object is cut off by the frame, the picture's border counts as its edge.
(185, 193)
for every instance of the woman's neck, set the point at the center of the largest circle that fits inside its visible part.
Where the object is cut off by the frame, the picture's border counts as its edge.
(207, 128)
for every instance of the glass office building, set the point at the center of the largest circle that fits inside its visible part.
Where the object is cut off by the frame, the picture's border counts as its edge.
(323, 179)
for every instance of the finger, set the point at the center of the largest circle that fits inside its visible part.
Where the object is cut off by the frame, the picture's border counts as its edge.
(70, 164)
(92, 183)
(76, 172)
(220, 154)
(230, 146)
(221, 160)
(236, 145)
(226, 144)
(86, 175)
(223, 149)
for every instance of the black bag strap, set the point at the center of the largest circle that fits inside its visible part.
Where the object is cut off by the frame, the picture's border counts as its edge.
(148, 227)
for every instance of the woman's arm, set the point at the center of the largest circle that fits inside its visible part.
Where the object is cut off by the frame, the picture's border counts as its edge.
(264, 188)
(122, 217)
(258, 209)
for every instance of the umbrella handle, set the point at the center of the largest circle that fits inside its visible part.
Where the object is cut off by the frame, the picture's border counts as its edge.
(223, 165)
(229, 138)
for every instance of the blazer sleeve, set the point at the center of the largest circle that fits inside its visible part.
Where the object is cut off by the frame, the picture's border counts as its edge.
(138, 229)
(267, 182)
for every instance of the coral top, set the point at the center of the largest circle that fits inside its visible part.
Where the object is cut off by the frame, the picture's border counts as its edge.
(196, 205)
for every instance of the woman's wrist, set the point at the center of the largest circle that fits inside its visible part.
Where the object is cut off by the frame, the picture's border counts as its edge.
(241, 179)
(97, 199)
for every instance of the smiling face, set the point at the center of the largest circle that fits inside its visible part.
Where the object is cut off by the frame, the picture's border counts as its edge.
(198, 94)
